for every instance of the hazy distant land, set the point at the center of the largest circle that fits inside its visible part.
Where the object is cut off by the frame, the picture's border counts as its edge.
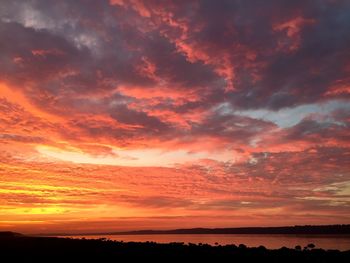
(295, 230)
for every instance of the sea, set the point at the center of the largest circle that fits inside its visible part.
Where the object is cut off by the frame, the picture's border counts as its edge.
(270, 241)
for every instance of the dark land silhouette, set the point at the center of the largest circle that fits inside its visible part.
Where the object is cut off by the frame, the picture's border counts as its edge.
(287, 230)
(15, 247)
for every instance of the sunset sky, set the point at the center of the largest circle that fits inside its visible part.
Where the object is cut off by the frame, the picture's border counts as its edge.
(130, 114)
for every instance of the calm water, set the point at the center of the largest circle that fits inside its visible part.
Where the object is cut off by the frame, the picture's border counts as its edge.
(341, 242)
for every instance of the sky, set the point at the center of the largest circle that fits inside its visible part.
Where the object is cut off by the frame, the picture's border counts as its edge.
(129, 114)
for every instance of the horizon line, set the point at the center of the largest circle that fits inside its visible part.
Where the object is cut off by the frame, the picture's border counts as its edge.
(188, 230)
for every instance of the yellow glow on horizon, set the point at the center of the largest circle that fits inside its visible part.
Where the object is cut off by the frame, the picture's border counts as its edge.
(44, 210)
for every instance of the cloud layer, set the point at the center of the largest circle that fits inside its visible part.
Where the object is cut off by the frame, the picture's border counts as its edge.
(185, 108)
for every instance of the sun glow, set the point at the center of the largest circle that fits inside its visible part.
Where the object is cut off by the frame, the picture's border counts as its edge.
(125, 157)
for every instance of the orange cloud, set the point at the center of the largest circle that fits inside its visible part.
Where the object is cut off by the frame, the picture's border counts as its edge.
(130, 114)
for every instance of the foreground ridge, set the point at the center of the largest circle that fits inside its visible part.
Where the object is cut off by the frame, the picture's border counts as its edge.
(37, 249)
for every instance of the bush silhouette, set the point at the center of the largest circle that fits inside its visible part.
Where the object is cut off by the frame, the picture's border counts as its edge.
(311, 246)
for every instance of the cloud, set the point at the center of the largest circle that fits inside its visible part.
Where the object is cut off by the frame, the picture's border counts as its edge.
(131, 117)
(301, 183)
(236, 107)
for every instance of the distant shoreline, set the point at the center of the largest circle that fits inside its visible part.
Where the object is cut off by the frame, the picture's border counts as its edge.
(285, 230)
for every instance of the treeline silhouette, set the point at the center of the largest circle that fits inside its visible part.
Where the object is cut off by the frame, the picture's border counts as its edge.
(20, 248)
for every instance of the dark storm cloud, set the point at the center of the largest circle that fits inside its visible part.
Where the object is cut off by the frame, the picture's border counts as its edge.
(128, 116)
(274, 67)
(315, 130)
(331, 128)
(80, 59)
(174, 67)
(231, 126)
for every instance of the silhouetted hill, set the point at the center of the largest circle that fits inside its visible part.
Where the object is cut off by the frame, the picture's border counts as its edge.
(17, 248)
